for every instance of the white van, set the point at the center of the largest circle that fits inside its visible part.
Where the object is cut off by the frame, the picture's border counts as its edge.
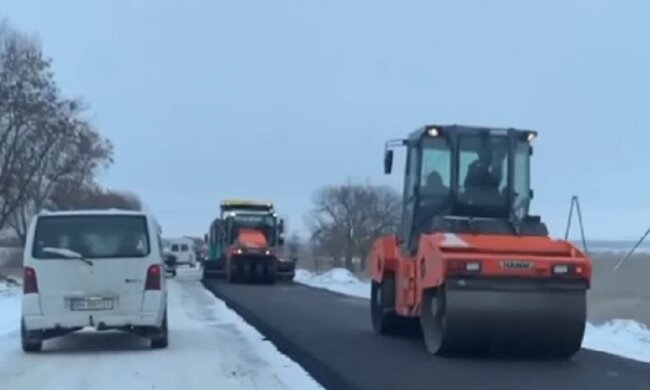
(99, 269)
(183, 249)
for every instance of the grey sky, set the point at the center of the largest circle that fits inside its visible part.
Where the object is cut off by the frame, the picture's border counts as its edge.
(206, 100)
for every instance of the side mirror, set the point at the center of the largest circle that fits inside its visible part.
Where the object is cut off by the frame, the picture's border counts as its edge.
(532, 194)
(388, 162)
(281, 226)
(280, 241)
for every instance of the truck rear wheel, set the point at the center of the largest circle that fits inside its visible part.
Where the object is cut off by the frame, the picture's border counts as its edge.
(161, 339)
(29, 342)
(382, 306)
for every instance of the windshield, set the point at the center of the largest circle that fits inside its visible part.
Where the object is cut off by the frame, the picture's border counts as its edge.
(521, 180)
(483, 171)
(481, 164)
(435, 172)
(93, 237)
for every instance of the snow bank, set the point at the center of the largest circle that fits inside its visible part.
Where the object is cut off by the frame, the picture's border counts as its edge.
(625, 338)
(9, 308)
(339, 280)
(189, 273)
(620, 337)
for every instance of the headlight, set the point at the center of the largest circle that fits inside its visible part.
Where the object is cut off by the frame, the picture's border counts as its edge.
(433, 132)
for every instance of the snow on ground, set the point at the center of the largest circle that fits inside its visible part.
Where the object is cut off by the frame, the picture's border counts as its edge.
(625, 338)
(621, 337)
(211, 347)
(339, 280)
(9, 307)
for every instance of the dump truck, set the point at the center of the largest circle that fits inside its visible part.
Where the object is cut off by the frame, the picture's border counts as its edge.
(468, 262)
(245, 244)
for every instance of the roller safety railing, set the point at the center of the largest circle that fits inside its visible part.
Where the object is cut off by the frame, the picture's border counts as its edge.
(575, 203)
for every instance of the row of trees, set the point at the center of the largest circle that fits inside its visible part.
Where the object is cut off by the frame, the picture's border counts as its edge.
(49, 154)
(346, 219)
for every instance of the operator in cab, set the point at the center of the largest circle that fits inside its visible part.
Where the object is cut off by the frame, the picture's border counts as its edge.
(484, 177)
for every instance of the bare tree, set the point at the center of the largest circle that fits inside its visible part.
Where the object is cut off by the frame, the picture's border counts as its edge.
(70, 197)
(346, 219)
(31, 118)
(73, 159)
(43, 139)
(294, 245)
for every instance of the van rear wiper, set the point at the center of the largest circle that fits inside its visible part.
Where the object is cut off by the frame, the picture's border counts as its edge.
(67, 253)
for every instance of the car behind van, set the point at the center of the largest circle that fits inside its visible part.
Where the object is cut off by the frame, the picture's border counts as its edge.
(183, 249)
(98, 269)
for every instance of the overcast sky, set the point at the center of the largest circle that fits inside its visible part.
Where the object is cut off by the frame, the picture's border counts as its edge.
(206, 100)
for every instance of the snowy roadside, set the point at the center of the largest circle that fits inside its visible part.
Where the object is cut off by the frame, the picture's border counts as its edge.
(9, 309)
(625, 338)
(211, 347)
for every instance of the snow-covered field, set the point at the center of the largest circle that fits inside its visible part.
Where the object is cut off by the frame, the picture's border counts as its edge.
(211, 347)
(619, 337)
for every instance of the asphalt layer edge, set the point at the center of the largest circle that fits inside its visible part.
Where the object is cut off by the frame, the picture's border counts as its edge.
(319, 370)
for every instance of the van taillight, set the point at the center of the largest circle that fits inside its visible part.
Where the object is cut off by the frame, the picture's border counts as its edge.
(154, 277)
(30, 286)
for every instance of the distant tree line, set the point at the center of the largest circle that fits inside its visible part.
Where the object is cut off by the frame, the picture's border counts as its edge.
(49, 154)
(346, 219)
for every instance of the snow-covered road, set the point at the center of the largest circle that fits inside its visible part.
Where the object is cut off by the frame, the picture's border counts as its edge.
(211, 347)
(625, 338)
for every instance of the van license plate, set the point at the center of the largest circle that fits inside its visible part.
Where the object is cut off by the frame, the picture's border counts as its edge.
(94, 303)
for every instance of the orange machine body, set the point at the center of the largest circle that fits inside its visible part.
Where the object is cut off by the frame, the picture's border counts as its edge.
(445, 256)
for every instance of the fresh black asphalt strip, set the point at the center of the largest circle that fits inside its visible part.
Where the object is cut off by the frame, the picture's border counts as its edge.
(330, 336)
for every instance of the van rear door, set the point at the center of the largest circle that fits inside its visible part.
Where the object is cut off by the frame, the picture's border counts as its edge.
(92, 263)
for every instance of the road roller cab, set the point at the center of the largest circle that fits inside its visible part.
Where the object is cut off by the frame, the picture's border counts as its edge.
(469, 262)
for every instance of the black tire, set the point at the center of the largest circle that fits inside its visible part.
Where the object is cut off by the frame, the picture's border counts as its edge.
(161, 340)
(259, 273)
(232, 273)
(30, 344)
(207, 274)
(382, 306)
(433, 321)
(270, 279)
(270, 273)
(246, 271)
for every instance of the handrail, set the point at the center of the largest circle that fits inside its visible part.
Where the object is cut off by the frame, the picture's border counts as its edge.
(629, 254)
(575, 202)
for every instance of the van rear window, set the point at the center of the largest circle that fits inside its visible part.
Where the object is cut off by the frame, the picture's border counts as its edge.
(92, 236)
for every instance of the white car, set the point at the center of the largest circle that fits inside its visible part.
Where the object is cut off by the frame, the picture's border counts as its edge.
(182, 248)
(99, 269)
